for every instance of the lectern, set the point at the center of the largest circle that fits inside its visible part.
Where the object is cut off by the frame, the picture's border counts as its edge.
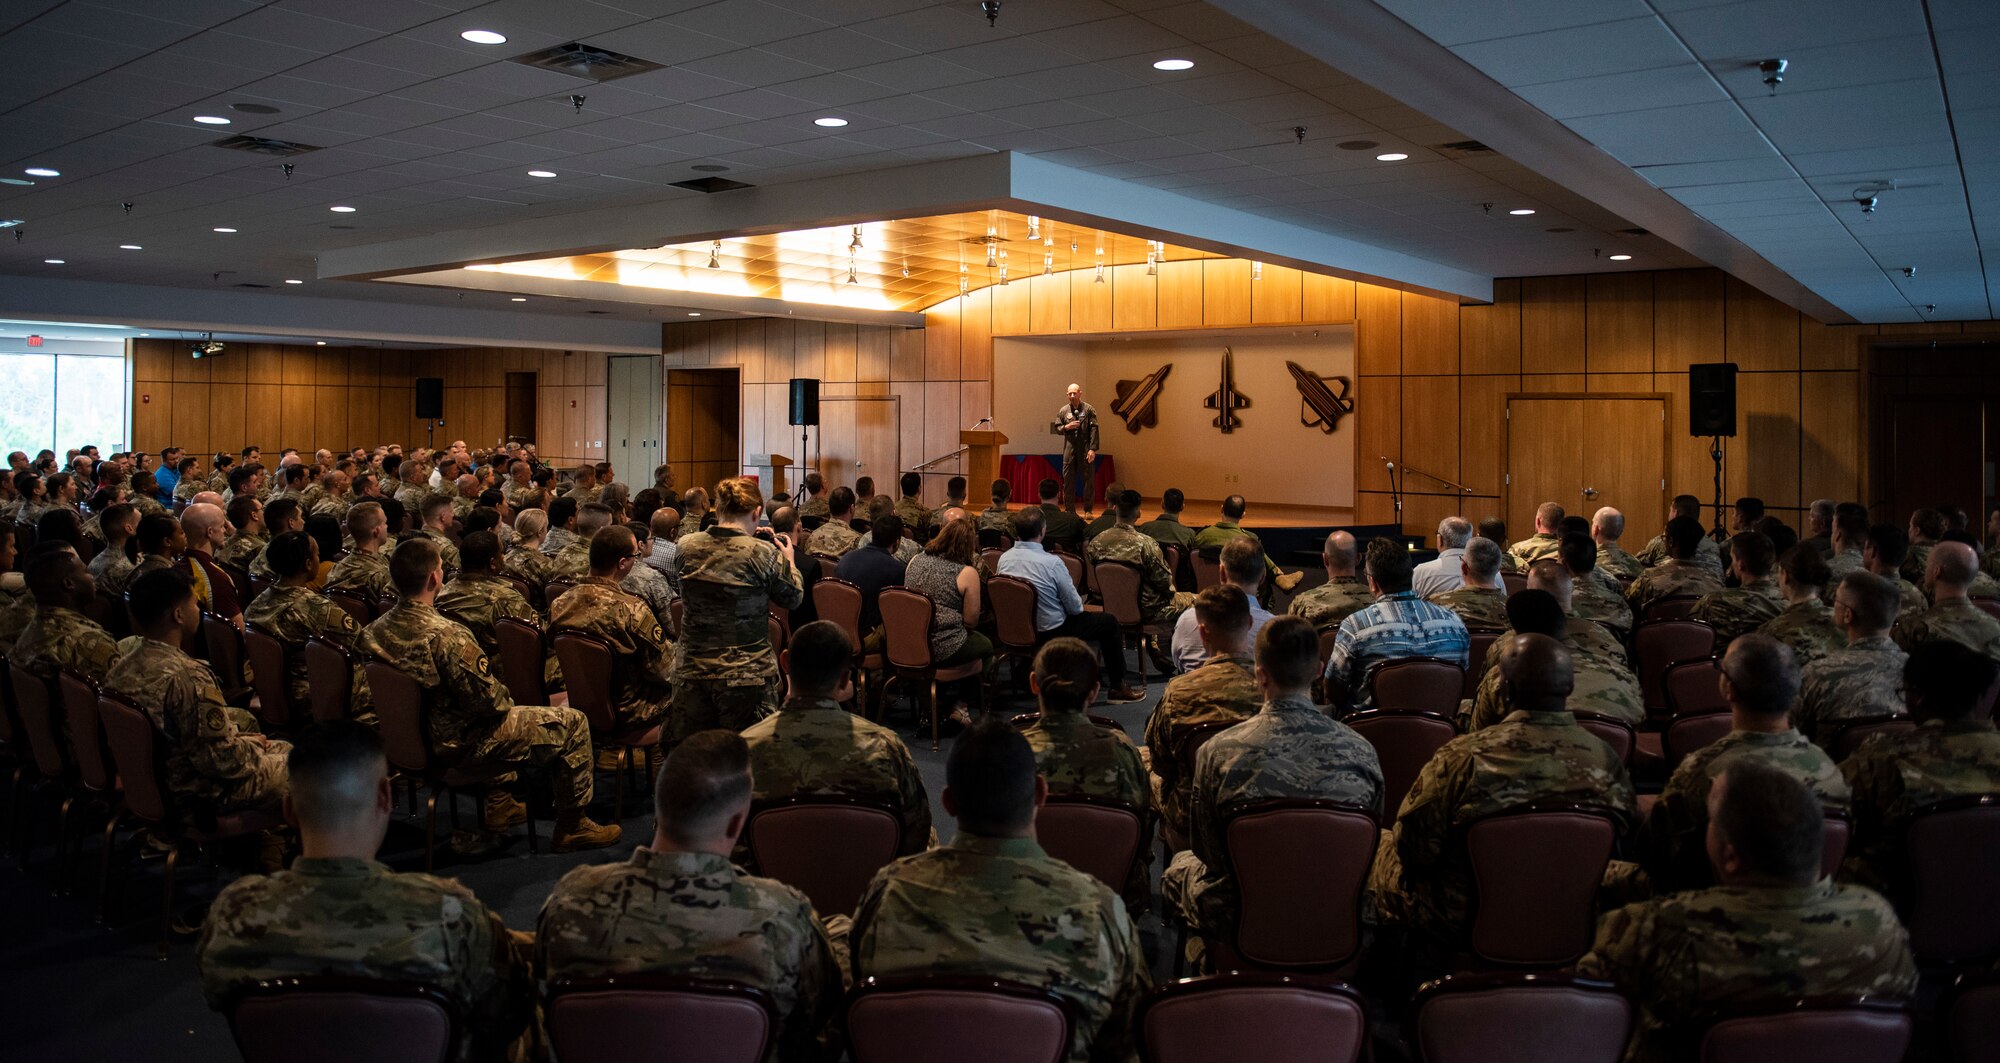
(982, 461)
(778, 463)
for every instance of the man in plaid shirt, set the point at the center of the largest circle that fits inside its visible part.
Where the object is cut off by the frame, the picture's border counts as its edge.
(1399, 624)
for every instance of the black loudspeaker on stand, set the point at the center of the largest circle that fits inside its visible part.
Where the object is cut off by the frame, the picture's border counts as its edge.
(430, 404)
(805, 413)
(1712, 413)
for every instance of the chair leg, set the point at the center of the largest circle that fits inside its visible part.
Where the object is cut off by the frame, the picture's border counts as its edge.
(430, 830)
(934, 714)
(618, 787)
(1140, 639)
(63, 884)
(104, 869)
(167, 900)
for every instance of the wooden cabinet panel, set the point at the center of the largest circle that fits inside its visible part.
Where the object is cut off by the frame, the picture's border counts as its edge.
(1619, 324)
(1048, 303)
(1430, 335)
(1226, 292)
(1378, 330)
(1089, 300)
(1489, 337)
(1328, 299)
(1552, 324)
(1277, 297)
(1181, 294)
(1135, 300)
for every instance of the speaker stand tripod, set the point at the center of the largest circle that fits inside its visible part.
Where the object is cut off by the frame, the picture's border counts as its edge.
(1715, 455)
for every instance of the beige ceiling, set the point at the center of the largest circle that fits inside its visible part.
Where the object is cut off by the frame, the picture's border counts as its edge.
(907, 264)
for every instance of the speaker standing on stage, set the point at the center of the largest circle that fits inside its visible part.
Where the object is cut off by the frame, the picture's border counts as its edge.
(1076, 422)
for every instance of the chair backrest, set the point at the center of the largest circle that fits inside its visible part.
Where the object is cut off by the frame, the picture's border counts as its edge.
(1013, 601)
(1693, 686)
(240, 577)
(991, 555)
(673, 1017)
(24, 536)
(110, 614)
(522, 585)
(556, 588)
(1267, 1018)
(522, 660)
(1835, 834)
(399, 708)
(1195, 737)
(1404, 742)
(825, 845)
(1513, 582)
(839, 601)
(1685, 734)
(1101, 836)
(1417, 684)
(1301, 868)
(1989, 606)
(677, 615)
(1118, 585)
(225, 651)
(38, 708)
(1850, 1031)
(1535, 872)
(586, 667)
(329, 680)
(1842, 737)
(1954, 859)
(1659, 643)
(268, 677)
(1970, 1015)
(906, 627)
(1076, 570)
(86, 731)
(1172, 554)
(339, 1020)
(1518, 1017)
(1615, 732)
(135, 753)
(1671, 607)
(1479, 641)
(1207, 565)
(361, 609)
(964, 1020)
(258, 585)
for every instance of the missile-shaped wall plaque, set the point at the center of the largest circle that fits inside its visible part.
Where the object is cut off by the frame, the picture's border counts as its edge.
(1227, 400)
(1138, 402)
(1324, 404)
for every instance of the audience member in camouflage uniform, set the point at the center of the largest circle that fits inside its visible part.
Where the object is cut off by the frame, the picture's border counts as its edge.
(994, 518)
(1760, 680)
(680, 907)
(59, 636)
(1707, 555)
(1422, 877)
(279, 516)
(641, 654)
(1217, 535)
(336, 498)
(291, 612)
(1344, 592)
(246, 515)
(479, 598)
(725, 671)
(836, 537)
(437, 519)
(1744, 608)
(1679, 574)
(526, 560)
(1599, 685)
(1595, 594)
(339, 912)
(646, 583)
(1862, 678)
(1806, 625)
(1476, 602)
(1951, 615)
(1926, 528)
(993, 904)
(910, 507)
(1586, 638)
(1770, 933)
(364, 572)
(1078, 756)
(572, 562)
(1288, 749)
(1887, 546)
(1546, 540)
(1222, 690)
(562, 525)
(217, 759)
(813, 746)
(695, 511)
(111, 568)
(1607, 526)
(815, 506)
(475, 727)
(1159, 602)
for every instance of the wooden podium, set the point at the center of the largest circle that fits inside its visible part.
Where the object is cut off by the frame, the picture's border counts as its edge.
(982, 463)
(777, 463)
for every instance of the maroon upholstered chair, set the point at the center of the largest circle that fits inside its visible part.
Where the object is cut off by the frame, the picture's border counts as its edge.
(1671, 607)
(93, 762)
(1969, 1013)
(1656, 644)
(1417, 684)
(991, 555)
(1520, 1017)
(358, 607)
(1013, 602)
(1077, 575)
(673, 1017)
(38, 710)
(109, 612)
(1480, 642)
(1855, 1030)
(527, 589)
(556, 588)
(329, 680)
(1101, 836)
(1954, 860)
(522, 660)
(839, 601)
(1513, 582)
(907, 617)
(1118, 585)
(677, 615)
(1989, 606)
(827, 846)
(225, 657)
(334, 1019)
(1262, 1017)
(1693, 686)
(1404, 742)
(240, 577)
(1685, 734)
(1185, 749)
(406, 741)
(1207, 565)
(1835, 835)
(1535, 873)
(1616, 733)
(266, 654)
(1301, 868)
(955, 1020)
(258, 585)
(1842, 737)
(587, 664)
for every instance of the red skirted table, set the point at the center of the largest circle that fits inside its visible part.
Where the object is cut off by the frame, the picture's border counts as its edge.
(1025, 473)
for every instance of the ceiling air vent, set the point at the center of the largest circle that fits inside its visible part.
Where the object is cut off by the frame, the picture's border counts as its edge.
(1459, 149)
(711, 184)
(265, 145)
(584, 61)
(247, 284)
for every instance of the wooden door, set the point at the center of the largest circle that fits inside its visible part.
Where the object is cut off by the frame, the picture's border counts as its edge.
(859, 436)
(1936, 455)
(704, 417)
(1585, 452)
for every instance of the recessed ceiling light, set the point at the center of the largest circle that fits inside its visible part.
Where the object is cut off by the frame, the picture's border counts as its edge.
(130, 247)
(341, 210)
(541, 173)
(520, 299)
(41, 171)
(694, 313)
(1391, 156)
(253, 108)
(15, 181)
(1357, 145)
(290, 280)
(319, 343)
(211, 119)
(1521, 211)
(1621, 258)
(224, 229)
(828, 122)
(1174, 64)
(484, 37)
(53, 261)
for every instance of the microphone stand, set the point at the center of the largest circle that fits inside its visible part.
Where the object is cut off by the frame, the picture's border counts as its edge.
(1395, 492)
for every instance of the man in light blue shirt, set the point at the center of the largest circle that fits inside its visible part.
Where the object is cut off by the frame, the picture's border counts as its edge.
(1059, 608)
(1443, 575)
(1397, 626)
(169, 475)
(1243, 567)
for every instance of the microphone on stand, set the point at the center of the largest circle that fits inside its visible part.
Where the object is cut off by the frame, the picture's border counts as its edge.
(1386, 461)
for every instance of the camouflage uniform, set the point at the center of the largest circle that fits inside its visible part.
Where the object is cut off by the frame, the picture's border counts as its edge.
(1533, 549)
(1678, 826)
(695, 915)
(1861, 679)
(1667, 578)
(1326, 605)
(412, 496)
(725, 671)
(112, 570)
(17, 606)
(1004, 908)
(557, 539)
(1422, 877)
(362, 573)
(1807, 627)
(1839, 566)
(1707, 555)
(1601, 687)
(475, 727)
(1079, 757)
(190, 486)
(1600, 597)
(835, 538)
(815, 507)
(572, 562)
(1916, 561)
(1288, 749)
(1217, 535)
(149, 506)
(217, 760)
(1956, 619)
(1479, 607)
(294, 614)
(93, 529)
(447, 550)
(1581, 637)
(59, 637)
(1913, 600)
(996, 519)
(338, 916)
(1159, 602)
(640, 650)
(1688, 956)
(335, 507)
(1894, 775)
(813, 746)
(309, 498)
(906, 549)
(1734, 611)
(1223, 689)
(479, 600)
(649, 585)
(1615, 562)
(533, 566)
(914, 515)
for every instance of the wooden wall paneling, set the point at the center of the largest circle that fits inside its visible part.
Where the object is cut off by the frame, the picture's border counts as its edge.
(910, 442)
(1760, 333)
(1180, 291)
(364, 417)
(597, 419)
(1226, 292)
(153, 359)
(1829, 446)
(1430, 335)
(1135, 300)
(1048, 303)
(226, 422)
(264, 363)
(872, 346)
(596, 370)
(838, 338)
(1552, 324)
(1277, 297)
(757, 434)
(1422, 513)
(1374, 507)
(232, 368)
(943, 328)
(260, 420)
(1378, 330)
(1011, 316)
(152, 421)
(1430, 430)
(1687, 319)
(331, 365)
(188, 426)
(295, 416)
(1618, 382)
(1831, 346)
(941, 423)
(1328, 299)
(1618, 325)
(975, 400)
(1482, 402)
(1489, 337)
(1764, 456)
(1089, 301)
(329, 424)
(297, 365)
(906, 356)
(1380, 433)
(807, 340)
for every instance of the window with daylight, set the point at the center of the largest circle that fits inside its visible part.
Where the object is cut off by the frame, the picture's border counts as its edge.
(63, 395)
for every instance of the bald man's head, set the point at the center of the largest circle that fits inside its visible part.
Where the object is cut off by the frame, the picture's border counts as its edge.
(1537, 672)
(1951, 565)
(1340, 554)
(203, 522)
(207, 498)
(1550, 575)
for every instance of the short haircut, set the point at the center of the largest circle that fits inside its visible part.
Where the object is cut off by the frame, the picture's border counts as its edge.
(1065, 673)
(364, 517)
(562, 511)
(1243, 559)
(335, 770)
(1028, 523)
(241, 509)
(288, 553)
(481, 518)
(1482, 556)
(955, 487)
(1048, 488)
(1128, 506)
(115, 516)
(1288, 651)
(840, 501)
(1389, 564)
(1928, 522)
(1536, 612)
(1173, 501)
(1953, 568)
(1950, 679)
(46, 574)
(155, 531)
(1454, 533)
(1683, 538)
(1234, 507)
(1874, 599)
(1892, 544)
(991, 773)
(1223, 608)
(1803, 567)
(885, 530)
(1548, 515)
(280, 512)
(864, 487)
(821, 654)
(325, 531)
(1764, 674)
(783, 519)
(1574, 525)
(1002, 491)
(478, 551)
(1578, 553)
(608, 546)
(1753, 550)
(1609, 521)
(434, 505)
(1852, 525)
(1775, 824)
(412, 563)
(1685, 506)
(592, 516)
(156, 594)
(1750, 509)
(665, 523)
(912, 483)
(1782, 536)
(814, 482)
(1493, 528)
(1339, 549)
(703, 780)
